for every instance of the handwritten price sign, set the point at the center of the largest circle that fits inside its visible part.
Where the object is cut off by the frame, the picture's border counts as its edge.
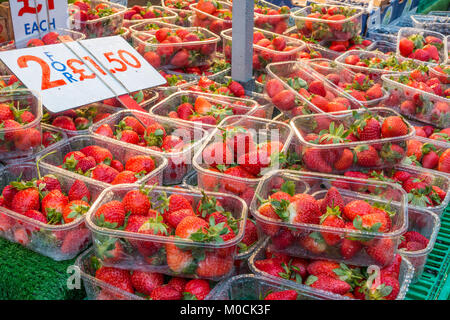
(74, 74)
(32, 18)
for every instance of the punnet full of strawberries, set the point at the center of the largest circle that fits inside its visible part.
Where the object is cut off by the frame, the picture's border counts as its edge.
(424, 48)
(323, 22)
(332, 277)
(88, 11)
(137, 13)
(99, 163)
(366, 139)
(285, 216)
(177, 48)
(214, 15)
(271, 18)
(38, 206)
(193, 235)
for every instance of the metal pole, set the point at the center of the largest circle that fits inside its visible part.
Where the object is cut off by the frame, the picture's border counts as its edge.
(242, 45)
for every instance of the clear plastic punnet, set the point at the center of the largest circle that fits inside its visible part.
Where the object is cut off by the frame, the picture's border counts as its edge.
(90, 114)
(405, 277)
(151, 26)
(166, 254)
(59, 242)
(294, 238)
(343, 79)
(292, 80)
(326, 158)
(209, 21)
(416, 104)
(416, 159)
(375, 64)
(97, 289)
(214, 172)
(167, 15)
(385, 47)
(50, 136)
(56, 153)
(254, 287)
(101, 27)
(221, 107)
(343, 29)
(183, 15)
(442, 72)
(176, 55)
(270, 21)
(179, 161)
(427, 224)
(407, 32)
(265, 55)
(20, 132)
(433, 22)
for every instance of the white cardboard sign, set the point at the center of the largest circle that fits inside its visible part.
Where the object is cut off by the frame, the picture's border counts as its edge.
(68, 76)
(32, 18)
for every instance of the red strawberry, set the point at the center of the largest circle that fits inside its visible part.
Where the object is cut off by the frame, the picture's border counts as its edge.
(136, 202)
(196, 289)
(165, 292)
(64, 122)
(394, 126)
(332, 199)
(406, 47)
(140, 163)
(371, 131)
(116, 277)
(100, 154)
(146, 282)
(74, 209)
(178, 283)
(282, 295)
(104, 173)
(111, 214)
(356, 208)
(323, 267)
(36, 215)
(79, 191)
(53, 205)
(367, 156)
(125, 177)
(329, 284)
(382, 251)
(75, 241)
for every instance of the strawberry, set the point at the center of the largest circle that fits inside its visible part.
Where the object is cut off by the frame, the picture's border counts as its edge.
(111, 214)
(394, 126)
(75, 241)
(174, 218)
(84, 164)
(79, 191)
(332, 218)
(134, 124)
(136, 202)
(388, 289)
(165, 292)
(267, 210)
(36, 215)
(104, 173)
(53, 205)
(272, 266)
(214, 266)
(303, 209)
(146, 282)
(393, 269)
(345, 161)
(444, 161)
(217, 154)
(367, 156)
(254, 162)
(370, 131)
(406, 47)
(178, 283)
(282, 295)
(349, 248)
(140, 163)
(356, 208)
(74, 209)
(250, 236)
(273, 87)
(332, 199)
(125, 177)
(414, 236)
(196, 289)
(116, 277)
(314, 161)
(323, 267)
(100, 154)
(64, 122)
(329, 284)
(105, 130)
(313, 243)
(284, 100)
(49, 183)
(178, 260)
(381, 251)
